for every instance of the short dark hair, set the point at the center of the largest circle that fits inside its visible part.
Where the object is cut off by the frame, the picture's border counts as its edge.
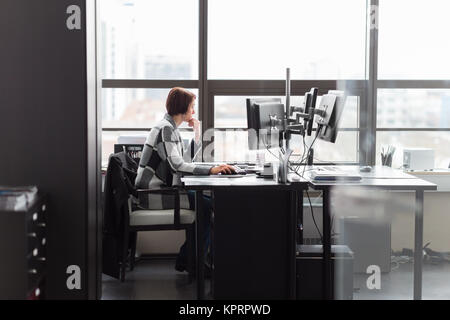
(178, 101)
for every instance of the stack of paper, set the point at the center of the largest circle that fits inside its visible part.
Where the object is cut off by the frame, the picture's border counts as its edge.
(17, 198)
(333, 175)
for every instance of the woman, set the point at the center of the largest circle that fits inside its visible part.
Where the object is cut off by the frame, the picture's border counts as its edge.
(164, 160)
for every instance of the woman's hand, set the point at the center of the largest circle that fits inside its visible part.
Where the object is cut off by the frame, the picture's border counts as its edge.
(194, 123)
(224, 168)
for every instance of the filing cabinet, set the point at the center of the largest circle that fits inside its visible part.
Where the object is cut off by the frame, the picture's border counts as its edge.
(23, 244)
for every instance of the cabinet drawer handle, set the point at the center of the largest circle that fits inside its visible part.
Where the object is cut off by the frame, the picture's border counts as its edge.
(32, 235)
(42, 225)
(35, 216)
(32, 271)
(42, 259)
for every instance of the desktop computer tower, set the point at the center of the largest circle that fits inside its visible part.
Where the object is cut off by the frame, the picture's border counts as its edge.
(309, 272)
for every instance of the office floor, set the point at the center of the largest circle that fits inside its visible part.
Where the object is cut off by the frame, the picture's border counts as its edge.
(151, 279)
(156, 279)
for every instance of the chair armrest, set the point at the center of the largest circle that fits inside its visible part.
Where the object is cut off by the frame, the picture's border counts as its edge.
(169, 191)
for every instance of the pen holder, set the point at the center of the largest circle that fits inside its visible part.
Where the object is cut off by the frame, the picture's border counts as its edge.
(386, 160)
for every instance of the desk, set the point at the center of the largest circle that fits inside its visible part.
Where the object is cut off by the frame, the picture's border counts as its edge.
(380, 178)
(253, 236)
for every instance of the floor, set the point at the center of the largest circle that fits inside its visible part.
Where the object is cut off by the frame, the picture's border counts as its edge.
(151, 279)
(156, 279)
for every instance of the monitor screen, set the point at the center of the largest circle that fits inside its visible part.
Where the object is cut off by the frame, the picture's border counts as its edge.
(331, 106)
(264, 119)
(310, 105)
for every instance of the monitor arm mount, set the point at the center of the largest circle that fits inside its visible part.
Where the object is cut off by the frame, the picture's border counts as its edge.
(294, 126)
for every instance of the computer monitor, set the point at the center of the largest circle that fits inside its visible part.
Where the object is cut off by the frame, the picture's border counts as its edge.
(310, 105)
(266, 117)
(330, 111)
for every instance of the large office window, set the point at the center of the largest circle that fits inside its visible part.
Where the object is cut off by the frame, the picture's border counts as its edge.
(144, 39)
(152, 41)
(258, 39)
(242, 49)
(250, 45)
(412, 41)
(412, 99)
(135, 108)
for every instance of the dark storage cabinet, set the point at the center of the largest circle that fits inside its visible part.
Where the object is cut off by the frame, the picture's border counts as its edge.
(50, 125)
(309, 271)
(23, 245)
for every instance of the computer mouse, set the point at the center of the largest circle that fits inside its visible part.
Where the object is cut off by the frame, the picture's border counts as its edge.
(238, 170)
(365, 169)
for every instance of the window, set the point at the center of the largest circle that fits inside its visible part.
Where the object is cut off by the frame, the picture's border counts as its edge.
(413, 113)
(258, 39)
(413, 108)
(142, 39)
(412, 41)
(436, 140)
(109, 139)
(135, 108)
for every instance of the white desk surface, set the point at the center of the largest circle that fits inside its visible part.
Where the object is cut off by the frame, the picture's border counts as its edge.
(380, 177)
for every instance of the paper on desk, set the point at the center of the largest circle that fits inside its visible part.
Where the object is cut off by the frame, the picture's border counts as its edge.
(17, 198)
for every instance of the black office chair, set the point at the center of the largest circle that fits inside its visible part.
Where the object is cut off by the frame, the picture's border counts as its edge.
(122, 221)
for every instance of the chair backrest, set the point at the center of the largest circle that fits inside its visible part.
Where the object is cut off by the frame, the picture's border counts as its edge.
(134, 151)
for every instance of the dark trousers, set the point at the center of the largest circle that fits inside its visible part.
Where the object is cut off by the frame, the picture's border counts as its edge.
(207, 210)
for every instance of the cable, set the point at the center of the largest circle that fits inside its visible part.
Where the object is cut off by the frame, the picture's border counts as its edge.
(272, 153)
(303, 155)
(314, 220)
(310, 147)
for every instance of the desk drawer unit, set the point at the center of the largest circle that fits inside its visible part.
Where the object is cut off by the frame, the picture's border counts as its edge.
(23, 245)
(309, 272)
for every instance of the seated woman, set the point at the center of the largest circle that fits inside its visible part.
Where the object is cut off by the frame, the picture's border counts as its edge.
(164, 161)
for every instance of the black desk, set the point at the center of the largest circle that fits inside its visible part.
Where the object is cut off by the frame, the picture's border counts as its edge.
(253, 236)
(380, 178)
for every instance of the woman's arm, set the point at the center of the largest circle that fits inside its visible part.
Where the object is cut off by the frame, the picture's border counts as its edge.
(170, 150)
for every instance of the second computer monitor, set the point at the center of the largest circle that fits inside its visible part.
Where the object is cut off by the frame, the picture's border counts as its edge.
(310, 105)
(331, 106)
(265, 119)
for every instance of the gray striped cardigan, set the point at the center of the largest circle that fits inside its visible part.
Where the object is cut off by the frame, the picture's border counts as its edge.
(163, 162)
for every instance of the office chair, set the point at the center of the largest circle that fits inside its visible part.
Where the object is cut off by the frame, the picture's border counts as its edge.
(122, 222)
(158, 220)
